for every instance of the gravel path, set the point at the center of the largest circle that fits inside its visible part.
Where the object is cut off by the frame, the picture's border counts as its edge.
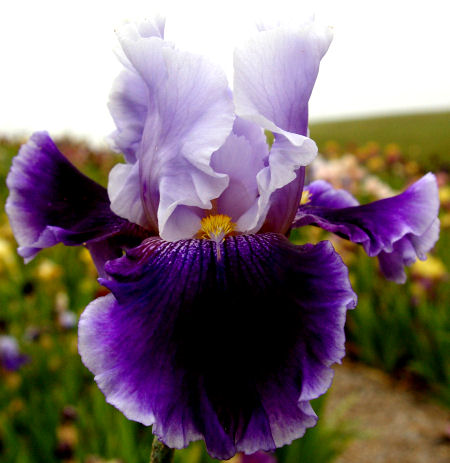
(393, 425)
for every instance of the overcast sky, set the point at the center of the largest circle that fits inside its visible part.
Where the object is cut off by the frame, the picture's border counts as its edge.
(57, 61)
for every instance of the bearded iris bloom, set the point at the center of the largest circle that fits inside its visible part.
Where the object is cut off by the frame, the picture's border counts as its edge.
(216, 326)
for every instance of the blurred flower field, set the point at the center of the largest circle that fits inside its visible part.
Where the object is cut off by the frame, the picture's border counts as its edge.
(50, 407)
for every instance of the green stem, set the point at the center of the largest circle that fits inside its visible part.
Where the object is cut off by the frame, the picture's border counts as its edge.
(160, 452)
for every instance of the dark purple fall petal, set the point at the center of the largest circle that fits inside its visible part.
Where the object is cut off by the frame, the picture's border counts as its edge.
(228, 349)
(397, 229)
(51, 202)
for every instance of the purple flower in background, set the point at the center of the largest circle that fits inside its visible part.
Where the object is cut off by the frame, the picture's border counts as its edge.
(216, 327)
(10, 357)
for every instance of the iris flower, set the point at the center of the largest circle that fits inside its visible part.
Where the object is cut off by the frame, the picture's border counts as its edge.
(216, 327)
(10, 357)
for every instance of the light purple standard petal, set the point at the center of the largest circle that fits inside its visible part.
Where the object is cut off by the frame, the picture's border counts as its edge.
(51, 202)
(397, 229)
(229, 350)
(189, 114)
(274, 76)
(128, 100)
(128, 107)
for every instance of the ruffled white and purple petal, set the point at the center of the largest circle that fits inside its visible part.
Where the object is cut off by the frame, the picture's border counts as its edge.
(51, 202)
(397, 230)
(230, 350)
(188, 116)
(274, 76)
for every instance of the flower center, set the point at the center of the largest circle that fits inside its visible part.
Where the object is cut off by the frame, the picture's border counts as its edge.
(215, 228)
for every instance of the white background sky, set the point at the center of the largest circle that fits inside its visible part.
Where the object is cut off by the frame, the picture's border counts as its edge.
(57, 63)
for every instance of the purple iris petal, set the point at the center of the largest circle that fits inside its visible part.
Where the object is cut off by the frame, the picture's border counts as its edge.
(51, 202)
(228, 350)
(188, 116)
(397, 229)
(406, 250)
(324, 195)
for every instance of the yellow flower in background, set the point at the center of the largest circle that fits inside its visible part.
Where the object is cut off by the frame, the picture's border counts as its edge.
(6, 231)
(8, 260)
(376, 164)
(16, 406)
(12, 380)
(432, 268)
(444, 195)
(412, 168)
(392, 152)
(445, 220)
(332, 148)
(68, 434)
(48, 270)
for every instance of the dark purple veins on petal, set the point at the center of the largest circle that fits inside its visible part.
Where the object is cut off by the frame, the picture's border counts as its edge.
(231, 350)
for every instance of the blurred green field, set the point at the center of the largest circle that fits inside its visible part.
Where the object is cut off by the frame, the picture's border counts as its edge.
(421, 137)
(51, 410)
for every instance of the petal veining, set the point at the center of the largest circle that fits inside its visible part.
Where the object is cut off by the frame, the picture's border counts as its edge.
(230, 350)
